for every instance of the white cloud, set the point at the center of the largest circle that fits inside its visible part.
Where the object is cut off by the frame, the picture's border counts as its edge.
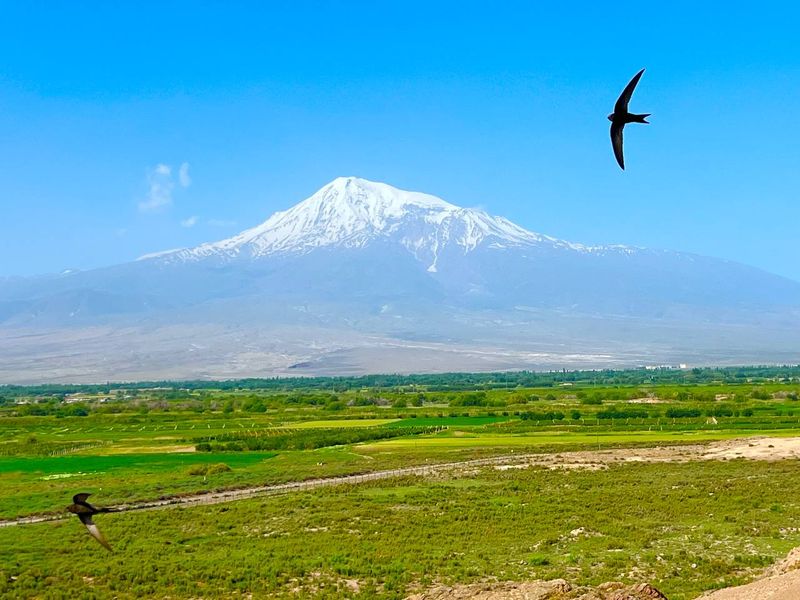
(190, 222)
(183, 175)
(159, 192)
(161, 185)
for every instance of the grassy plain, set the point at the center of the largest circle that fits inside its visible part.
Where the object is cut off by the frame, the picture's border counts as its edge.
(684, 527)
(659, 523)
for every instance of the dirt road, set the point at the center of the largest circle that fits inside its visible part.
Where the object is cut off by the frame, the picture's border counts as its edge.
(761, 448)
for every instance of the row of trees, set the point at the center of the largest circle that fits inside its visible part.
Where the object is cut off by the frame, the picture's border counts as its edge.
(437, 382)
(302, 439)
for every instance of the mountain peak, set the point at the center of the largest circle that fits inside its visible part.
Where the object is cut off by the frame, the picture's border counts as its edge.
(370, 199)
(352, 212)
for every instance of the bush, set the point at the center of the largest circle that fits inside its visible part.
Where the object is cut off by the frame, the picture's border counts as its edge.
(622, 413)
(218, 468)
(470, 399)
(363, 402)
(209, 469)
(595, 399)
(535, 415)
(680, 413)
(538, 560)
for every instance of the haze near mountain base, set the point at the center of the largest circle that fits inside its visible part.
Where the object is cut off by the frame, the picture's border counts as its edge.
(363, 277)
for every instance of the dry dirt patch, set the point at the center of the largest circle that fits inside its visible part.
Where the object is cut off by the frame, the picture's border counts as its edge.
(755, 448)
(761, 448)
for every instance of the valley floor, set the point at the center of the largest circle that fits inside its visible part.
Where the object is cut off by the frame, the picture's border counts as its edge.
(342, 489)
(685, 518)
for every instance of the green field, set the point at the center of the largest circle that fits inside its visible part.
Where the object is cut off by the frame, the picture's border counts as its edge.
(338, 423)
(636, 522)
(431, 421)
(385, 539)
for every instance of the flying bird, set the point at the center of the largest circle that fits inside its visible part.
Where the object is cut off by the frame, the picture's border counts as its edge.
(620, 117)
(85, 512)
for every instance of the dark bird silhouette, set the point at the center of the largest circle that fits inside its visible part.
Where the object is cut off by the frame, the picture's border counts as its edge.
(85, 512)
(620, 117)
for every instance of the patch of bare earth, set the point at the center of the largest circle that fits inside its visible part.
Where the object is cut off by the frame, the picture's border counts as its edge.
(756, 448)
(762, 448)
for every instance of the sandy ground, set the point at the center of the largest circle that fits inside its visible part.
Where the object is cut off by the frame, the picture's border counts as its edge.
(762, 448)
(755, 448)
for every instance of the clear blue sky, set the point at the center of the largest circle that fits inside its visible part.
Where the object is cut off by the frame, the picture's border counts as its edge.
(498, 107)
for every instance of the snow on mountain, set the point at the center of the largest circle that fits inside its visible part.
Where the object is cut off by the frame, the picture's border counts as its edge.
(351, 212)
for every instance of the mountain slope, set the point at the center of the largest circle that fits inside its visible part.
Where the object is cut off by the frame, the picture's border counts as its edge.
(360, 261)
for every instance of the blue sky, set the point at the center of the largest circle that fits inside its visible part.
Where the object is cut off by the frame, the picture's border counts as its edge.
(254, 106)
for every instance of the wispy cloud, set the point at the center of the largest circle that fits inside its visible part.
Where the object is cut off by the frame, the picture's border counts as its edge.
(161, 185)
(159, 189)
(190, 222)
(183, 175)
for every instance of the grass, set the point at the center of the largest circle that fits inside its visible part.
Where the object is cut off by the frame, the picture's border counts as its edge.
(633, 522)
(660, 523)
(133, 467)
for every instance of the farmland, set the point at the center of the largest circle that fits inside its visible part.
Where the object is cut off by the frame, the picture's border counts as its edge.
(636, 522)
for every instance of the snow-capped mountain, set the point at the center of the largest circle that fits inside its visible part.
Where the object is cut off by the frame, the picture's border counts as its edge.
(359, 240)
(361, 270)
(351, 213)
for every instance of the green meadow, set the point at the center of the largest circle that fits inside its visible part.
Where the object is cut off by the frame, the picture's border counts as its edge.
(658, 523)
(684, 527)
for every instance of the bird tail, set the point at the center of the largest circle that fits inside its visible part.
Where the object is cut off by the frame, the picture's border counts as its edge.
(642, 118)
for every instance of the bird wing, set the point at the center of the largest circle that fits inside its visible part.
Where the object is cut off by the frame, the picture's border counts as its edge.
(622, 102)
(80, 498)
(94, 531)
(616, 143)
